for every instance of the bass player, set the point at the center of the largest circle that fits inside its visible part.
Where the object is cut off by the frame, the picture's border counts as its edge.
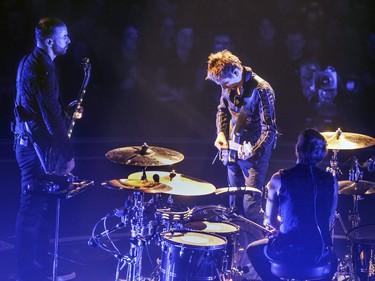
(40, 122)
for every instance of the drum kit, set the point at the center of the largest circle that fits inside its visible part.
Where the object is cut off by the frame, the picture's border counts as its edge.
(196, 243)
(201, 243)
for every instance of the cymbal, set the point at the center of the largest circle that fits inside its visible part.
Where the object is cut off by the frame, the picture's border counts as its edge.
(232, 190)
(180, 184)
(344, 141)
(136, 185)
(144, 156)
(360, 187)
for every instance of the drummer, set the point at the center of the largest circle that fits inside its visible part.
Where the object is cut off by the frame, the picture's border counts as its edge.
(305, 197)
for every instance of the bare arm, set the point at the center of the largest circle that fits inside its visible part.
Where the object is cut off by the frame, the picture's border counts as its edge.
(272, 205)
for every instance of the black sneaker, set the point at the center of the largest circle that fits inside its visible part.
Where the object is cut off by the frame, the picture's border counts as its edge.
(64, 276)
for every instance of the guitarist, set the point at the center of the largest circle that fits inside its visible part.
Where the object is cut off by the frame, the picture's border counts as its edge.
(40, 123)
(246, 113)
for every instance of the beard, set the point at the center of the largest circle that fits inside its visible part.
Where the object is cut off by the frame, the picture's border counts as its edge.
(58, 51)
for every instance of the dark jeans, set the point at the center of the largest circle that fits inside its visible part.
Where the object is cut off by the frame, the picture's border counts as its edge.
(251, 174)
(33, 220)
(262, 265)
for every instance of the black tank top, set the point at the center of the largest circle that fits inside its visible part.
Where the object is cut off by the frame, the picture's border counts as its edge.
(305, 200)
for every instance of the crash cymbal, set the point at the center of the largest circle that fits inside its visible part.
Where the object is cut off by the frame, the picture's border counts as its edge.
(232, 190)
(344, 141)
(136, 185)
(180, 184)
(144, 156)
(360, 187)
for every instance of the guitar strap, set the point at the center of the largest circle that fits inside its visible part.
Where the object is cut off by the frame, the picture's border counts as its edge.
(243, 114)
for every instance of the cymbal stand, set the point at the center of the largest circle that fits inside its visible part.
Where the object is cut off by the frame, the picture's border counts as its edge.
(334, 167)
(136, 245)
(355, 174)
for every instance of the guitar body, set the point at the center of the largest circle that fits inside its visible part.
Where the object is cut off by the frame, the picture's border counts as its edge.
(231, 155)
(54, 161)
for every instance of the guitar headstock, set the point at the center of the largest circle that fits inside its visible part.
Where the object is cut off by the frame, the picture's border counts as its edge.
(86, 62)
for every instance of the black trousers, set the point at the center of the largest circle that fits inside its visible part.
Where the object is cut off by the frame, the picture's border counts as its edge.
(33, 220)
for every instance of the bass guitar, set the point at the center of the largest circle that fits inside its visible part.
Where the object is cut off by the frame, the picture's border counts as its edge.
(54, 161)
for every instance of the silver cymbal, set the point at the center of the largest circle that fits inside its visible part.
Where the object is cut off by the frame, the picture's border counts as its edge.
(144, 156)
(136, 185)
(180, 184)
(360, 187)
(345, 141)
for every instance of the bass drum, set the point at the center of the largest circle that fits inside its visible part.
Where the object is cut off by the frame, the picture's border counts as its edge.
(228, 230)
(362, 249)
(191, 255)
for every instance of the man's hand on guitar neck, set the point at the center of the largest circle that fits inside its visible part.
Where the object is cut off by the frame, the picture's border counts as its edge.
(221, 141)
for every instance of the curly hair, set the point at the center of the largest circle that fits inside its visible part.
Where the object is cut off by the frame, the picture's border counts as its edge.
(221, 65)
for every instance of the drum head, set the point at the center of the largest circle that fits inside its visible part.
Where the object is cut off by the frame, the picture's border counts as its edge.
(212, 227)
(364, 234)
(195, 238)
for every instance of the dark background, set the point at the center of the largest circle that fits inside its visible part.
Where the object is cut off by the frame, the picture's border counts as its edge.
(140, 91)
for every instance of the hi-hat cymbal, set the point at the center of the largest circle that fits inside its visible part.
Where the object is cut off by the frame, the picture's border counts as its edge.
(360, 187)
(232, 190)
(144, 156)
(137, 185)
(344, 141)
(180, 184)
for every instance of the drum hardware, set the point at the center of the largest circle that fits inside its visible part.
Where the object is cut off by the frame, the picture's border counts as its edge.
(133, 215)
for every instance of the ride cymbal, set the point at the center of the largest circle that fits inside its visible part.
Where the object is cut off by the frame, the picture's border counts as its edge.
(180, 184)
(360, 187)
(344, 141)
(232, 190)
(144, 156)
(136, 185)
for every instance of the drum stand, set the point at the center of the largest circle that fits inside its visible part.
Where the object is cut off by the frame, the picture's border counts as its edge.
(134, 260)
(346, 266)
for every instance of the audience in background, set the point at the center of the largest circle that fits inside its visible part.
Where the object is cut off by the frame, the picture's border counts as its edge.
(334, 33)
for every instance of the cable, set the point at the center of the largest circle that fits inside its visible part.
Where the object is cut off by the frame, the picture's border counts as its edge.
(315, 189)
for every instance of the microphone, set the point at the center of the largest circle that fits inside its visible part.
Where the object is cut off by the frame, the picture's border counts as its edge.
(93, 241)
(369, 164)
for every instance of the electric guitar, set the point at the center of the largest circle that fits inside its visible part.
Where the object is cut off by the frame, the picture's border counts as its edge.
(54, 161)
(235, 151)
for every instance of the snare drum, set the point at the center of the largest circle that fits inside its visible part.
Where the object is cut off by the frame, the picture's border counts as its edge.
(362, 248)
(191, 255)
(228, 230)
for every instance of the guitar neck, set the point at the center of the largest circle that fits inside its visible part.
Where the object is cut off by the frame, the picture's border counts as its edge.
(87, 69)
